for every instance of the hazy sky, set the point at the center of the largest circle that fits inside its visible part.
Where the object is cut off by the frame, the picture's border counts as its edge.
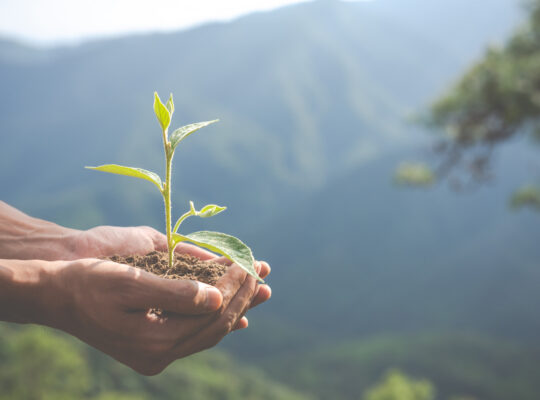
(59, 21)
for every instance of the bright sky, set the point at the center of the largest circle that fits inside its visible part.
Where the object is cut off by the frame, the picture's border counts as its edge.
(48, 22)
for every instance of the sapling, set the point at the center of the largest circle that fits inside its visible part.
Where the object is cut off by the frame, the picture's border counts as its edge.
(229, 246)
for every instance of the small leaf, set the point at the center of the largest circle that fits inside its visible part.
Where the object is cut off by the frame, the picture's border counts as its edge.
(162, 113)
(170, 105)
(181, 133)
(210, 210)
(229, 246)
(129, 171)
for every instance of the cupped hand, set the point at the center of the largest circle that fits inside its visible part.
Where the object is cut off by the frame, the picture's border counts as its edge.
(103, 241)
(107, 305)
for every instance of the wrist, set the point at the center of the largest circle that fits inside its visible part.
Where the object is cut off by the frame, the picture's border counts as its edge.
(25, 238)
(31, 292)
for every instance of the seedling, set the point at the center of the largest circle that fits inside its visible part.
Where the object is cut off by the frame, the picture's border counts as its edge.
(229, 246)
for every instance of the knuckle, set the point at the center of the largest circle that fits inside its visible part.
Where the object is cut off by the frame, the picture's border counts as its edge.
(227, 325)
(190, 291)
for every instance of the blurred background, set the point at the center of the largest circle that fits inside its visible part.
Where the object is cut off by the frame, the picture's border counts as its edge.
(381, 155)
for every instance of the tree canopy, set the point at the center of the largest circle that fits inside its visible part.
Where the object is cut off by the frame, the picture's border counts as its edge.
(497, 99)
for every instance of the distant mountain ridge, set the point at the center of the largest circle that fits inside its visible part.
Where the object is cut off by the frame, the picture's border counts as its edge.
(304, 94)
(378, 258)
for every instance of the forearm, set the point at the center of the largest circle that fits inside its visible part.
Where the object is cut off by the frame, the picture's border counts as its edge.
(24, 238)
(29, 291)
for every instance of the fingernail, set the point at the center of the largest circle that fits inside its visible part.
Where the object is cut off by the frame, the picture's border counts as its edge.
(213, 298)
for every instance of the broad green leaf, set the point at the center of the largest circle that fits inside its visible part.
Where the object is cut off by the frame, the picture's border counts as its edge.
(162, 113)
(181, 133)
(129, 171)
(229, 246)
(170, 105)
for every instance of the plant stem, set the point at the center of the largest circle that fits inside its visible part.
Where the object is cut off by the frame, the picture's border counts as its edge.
(167, 197)
(181, 219)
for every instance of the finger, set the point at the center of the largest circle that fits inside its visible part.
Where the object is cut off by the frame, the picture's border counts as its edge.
(186, 248)
(264, 293)
(160, 243)
(228, 287)
(178, 296)
(230, 283)
(215, 331)
(243, 323)
(265, 269)
(235, 311)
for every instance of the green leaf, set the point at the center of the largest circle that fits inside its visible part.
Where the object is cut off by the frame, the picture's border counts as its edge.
(210, 210)
(170, 105)
(207, 211)
(229, 246)
(181, 133)
(162, 113)
(129, 171)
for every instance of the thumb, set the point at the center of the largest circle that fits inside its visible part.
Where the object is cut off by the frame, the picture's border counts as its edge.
(180, 296)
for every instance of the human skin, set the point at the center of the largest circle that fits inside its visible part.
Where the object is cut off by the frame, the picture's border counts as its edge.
(47, 277)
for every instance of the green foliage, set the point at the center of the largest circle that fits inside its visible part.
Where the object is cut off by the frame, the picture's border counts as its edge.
(181, 133)
(414, 174)
(527, 196)
(170, 105)
(129, 171)
(119, 396)
(207, 211)
(229, 246)
(495, 100)
(397, 386)
(163, 113)
(465, 365)
(37, 364)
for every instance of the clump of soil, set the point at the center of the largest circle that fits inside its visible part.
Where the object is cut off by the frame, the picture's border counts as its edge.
(185, 266)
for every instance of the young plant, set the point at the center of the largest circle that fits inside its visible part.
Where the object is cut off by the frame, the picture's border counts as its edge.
(229, 246)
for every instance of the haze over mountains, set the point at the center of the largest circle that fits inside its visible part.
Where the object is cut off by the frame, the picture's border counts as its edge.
(314, 102)
(303, 93)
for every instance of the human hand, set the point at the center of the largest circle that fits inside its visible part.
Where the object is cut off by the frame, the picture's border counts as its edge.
(106, 305)
(103, 241)
(26, 238)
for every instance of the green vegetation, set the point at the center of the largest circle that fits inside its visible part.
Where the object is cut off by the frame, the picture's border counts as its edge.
(229, 246)
(397, 386)
(469, 366)
(414, 174)
(494, 101)
(38, 363)
(527, 196)
(388, 367)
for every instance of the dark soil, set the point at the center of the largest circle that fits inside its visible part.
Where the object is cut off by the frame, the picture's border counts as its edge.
(185, 266)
